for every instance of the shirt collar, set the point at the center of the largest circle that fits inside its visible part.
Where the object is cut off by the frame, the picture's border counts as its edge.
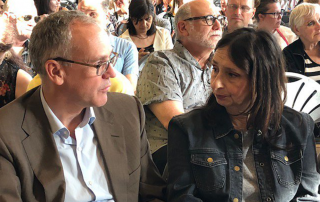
(57, 126)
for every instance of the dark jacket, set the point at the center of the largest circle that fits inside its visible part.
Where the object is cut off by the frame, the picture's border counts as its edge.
(294, 56)
(203, 153)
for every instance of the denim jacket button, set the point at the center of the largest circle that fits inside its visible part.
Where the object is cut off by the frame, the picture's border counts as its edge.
(236, 136)
(286, 158)
(261, 164)
(269, 199)
(235, 200)
(209, 160)
(236, 168)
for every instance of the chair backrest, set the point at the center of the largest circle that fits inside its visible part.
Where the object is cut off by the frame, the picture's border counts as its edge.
(303, 95)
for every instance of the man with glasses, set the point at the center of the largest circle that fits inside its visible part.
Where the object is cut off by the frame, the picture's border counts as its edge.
(63, 141)
(239, 14)
(23, 16)
(175, 81)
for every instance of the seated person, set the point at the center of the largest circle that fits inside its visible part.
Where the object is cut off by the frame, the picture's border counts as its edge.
(142, 30)
(175, 81)
(268, 15)
(13, 79)
(127, 62)
(23, 17)
(244, 144)
(70, 140)
(303, 55)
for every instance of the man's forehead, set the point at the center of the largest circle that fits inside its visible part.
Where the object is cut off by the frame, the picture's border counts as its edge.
(203, 8)
(242, 2)
(90, 5)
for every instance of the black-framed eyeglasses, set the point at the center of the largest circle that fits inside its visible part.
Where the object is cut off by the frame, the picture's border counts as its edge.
(210, 19)
(243, 8)
(29, 17)
(101, 67)
(275, 14)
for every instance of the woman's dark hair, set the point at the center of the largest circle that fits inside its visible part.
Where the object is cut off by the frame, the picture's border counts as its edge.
(138, 9)
(43, 7)
(262, 7)
(259, 55)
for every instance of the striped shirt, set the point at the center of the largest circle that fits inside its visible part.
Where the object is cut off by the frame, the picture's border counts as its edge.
(312, 69)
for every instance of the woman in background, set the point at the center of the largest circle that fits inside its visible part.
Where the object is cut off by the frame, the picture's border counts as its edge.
(142, 30)
(13, 79)
(268, 15)
(45, 7)
(303, 55)
(243, 145)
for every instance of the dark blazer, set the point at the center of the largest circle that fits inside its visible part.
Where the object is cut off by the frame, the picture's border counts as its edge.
(30, 166)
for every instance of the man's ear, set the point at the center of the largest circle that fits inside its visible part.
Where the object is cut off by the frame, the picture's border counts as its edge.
(183, 28)
(55, 72)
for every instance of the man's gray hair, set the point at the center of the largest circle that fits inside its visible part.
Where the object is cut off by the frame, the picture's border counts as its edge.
(302, 12)
(51, 37)
(184, 12)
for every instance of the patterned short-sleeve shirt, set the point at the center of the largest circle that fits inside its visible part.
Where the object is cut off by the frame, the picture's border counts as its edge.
(171, 75)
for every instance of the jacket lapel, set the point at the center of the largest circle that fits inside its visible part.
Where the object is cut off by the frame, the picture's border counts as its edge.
(111, 140)
(41, 149)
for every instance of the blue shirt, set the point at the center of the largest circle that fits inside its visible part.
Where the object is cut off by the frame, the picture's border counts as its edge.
(81, 160)
(127, 62)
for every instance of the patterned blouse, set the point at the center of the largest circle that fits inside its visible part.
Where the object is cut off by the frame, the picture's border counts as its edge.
(8, 76)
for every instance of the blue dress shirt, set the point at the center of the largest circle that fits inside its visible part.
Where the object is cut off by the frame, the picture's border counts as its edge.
(81, 160)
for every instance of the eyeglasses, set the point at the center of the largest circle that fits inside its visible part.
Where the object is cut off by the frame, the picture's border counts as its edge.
(210, 19)
(101, 68)
(29, 17)
(243, 8)
(275, 14)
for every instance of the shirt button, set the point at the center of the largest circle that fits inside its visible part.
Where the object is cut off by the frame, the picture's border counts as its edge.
(90, 182)
(237, 168)
(79, 149)
(209, 160)
(236, 136)
(286, 158)
(235, 200)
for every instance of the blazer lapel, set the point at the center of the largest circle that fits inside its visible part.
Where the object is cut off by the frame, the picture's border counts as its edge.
(111, 141)
(41, 149)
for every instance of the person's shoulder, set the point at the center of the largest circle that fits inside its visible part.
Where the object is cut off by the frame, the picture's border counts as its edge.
(14, 112)
(298, 123)
(191, 118)
(122, 43)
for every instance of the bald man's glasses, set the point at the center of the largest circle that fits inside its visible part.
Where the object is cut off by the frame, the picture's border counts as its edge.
(101, 67)
(210, 19)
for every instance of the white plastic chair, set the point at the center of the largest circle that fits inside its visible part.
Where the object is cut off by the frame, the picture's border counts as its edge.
(303, 95)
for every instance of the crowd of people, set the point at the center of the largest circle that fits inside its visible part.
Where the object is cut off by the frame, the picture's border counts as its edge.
(165, 100)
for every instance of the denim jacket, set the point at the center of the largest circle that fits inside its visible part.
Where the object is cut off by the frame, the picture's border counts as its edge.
(202, 156)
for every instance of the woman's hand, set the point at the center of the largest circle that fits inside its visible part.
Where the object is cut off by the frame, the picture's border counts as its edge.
(142, 53)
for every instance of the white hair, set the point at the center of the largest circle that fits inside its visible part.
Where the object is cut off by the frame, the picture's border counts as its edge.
(302, 11)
